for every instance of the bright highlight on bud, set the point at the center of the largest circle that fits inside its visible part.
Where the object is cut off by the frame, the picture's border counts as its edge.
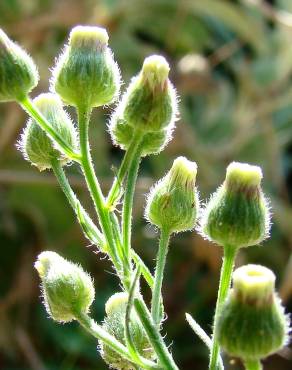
(35, 144)
(88, 37)
(237, 214)
(173, 202)
(148, 108)
(67, 289)
(86, 73)
(254, 283)
(18, 73)
(114, 324)
(155, 71)
(252, 324)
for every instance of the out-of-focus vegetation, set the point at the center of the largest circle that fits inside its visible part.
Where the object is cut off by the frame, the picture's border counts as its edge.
(232, 66)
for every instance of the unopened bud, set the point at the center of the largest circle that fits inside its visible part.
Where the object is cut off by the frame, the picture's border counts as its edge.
(149, 106)
(237, 214)
(173, 202)
(114, 324)
(67, 289)
(18, 73)
(252, 324)
(35, 144)
(86, 73)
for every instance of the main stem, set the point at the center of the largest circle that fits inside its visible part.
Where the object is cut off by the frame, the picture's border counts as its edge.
(127, 212)
(93, 185)
(159, 271)
(163, 355)
(224, 285)
(253, 365)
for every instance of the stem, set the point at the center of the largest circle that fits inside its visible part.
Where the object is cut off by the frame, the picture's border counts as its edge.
(127, 211)
(164, 357)
(93, 184)
(35, 114)
(115, 191)
(202, 335)
(86, 223)
(159, 271)
(98, 332)
(144, 269)
(253, 365)
(224, 286)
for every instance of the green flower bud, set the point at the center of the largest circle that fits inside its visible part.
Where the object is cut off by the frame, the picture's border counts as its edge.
(114, 324)
(35, 144)
(173, 202)
(149, 106)
(18, 73)
(237, 213)
(67, 289)
(252, 324)
(86, 72)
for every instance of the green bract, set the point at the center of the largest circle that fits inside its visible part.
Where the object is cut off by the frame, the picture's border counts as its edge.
(252, 324)
(67, 289)
(35, 144)
(86, 73)
(114, 324)
(173, 202)
(237, 214)
(148, 108)
(18, 73)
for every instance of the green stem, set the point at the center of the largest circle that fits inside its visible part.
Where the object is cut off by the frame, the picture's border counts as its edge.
(164, 357)
(93, 184)
(115, 191)
(92, 231)
(144, 269)
(159, 271)
(253, 365)
(98, 332)
(224, 286)
(127, 212)
(35, 114)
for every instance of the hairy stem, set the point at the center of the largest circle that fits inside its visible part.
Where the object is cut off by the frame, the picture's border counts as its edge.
(224, 286)
(253, 365)
(115, 191)
(93, 184)
(127, 212)
(164, 357)
(159, 272)
(92, 231)
(34, 113)
(98, 332)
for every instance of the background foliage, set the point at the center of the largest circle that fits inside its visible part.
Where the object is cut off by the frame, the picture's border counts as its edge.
(232, 66)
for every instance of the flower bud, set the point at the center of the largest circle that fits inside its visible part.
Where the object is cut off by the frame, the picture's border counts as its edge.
(67, 289)
(237, 214)
(114, 324)
(35, 144)
(148, 106)
(252, 324)
(173, 202)
(86, 72)
(18, 73)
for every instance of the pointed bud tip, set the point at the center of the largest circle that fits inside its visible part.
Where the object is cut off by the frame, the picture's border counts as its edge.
(44, 262)
(155, 70)
(244, 173)
(183, 171)
(88, 36)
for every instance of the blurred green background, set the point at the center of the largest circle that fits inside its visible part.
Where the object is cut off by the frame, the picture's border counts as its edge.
(232, 66)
